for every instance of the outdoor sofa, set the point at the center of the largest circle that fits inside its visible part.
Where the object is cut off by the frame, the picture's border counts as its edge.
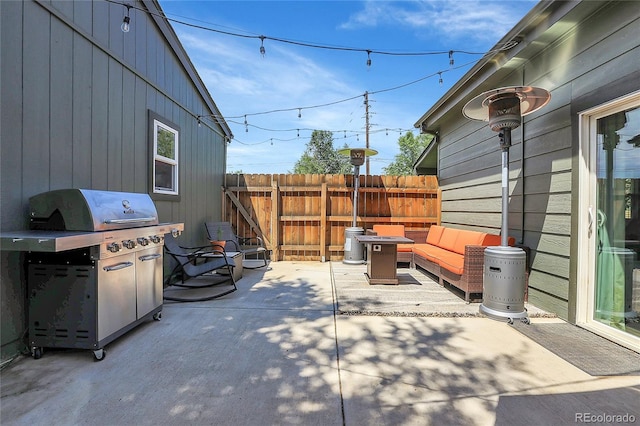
(454, 256)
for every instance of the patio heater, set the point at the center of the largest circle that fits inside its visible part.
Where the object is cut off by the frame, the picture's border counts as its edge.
(353, 250)
(504, 281)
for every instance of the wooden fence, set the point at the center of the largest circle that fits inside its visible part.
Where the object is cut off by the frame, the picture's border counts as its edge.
(304, 217)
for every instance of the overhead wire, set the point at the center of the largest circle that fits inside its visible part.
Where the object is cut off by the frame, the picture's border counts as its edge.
(315, 45)
(369, 52)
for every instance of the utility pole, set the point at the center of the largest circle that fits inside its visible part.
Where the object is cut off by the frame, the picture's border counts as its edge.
(366, 127)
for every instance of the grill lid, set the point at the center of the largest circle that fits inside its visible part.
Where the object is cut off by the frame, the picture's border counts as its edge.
(91, 210)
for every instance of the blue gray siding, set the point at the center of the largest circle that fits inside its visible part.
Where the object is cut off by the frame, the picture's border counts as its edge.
(75, 93)
(588, 58)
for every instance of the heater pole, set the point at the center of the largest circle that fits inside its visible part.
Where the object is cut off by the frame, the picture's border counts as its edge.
(505, 144)
(356, 185)
(366, 129)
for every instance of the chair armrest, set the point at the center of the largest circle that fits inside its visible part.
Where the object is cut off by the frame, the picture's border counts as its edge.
(248, 240)
(196, 249)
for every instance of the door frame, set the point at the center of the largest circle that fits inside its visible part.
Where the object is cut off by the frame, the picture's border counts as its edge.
(586, 277)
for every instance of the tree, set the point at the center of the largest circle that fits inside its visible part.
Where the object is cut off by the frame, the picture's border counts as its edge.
(410, 149)
(321, 158)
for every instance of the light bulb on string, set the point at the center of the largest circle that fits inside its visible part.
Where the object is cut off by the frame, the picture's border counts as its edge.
(386, 132)
(262, 49)
(246, 125)
(440, 78)
(345, 134)
(451, 58)
(368, 59)
(299, 112)
(125, 27)
(298, 132)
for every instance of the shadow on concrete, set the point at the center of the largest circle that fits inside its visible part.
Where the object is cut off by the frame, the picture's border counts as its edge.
(609, 406)
(276, 352)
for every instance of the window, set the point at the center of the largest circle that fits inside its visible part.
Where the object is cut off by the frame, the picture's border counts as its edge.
(165, 147)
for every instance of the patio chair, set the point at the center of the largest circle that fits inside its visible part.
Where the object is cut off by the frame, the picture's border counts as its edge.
(252, 246)
(195, 262)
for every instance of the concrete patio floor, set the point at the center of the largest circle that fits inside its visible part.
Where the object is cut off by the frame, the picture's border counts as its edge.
(277, 352)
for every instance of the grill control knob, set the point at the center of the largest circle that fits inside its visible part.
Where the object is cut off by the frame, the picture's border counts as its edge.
(130, 244)
(143, 241)
(114, 247)
(155, 239)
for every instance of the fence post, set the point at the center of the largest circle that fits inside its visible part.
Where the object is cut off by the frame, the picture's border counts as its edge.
(275, 218)
(323, 222)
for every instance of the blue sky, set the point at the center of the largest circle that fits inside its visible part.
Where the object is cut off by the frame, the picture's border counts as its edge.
(300, 79)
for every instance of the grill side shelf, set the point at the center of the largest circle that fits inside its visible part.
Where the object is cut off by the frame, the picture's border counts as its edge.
(48, 241)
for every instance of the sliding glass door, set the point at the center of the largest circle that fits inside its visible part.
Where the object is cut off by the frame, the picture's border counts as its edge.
(610, 289)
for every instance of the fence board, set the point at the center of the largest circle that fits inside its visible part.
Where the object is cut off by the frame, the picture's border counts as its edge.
(304, 217)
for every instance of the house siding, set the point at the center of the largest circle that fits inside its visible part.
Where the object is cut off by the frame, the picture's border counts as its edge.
(579, 66)
(76, 92)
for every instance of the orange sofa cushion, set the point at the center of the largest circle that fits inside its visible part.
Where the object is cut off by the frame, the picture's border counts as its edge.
(454, 262)
(435, 232)
(494, 240)
(389, 230)
(448, 239)
(468, 238)
(429, 252)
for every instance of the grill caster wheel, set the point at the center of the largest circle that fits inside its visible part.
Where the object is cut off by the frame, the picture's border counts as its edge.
(99, 354)
(510, 321)
(526, 321)
(157, 316)
(36, 352)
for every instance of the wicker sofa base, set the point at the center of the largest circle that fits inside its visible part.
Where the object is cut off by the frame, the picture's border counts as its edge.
(405, 257)
(470, 282)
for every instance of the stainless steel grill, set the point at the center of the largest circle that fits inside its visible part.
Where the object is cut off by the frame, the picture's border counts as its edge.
(94, 266)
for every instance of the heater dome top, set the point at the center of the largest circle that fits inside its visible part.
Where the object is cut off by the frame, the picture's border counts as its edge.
(357, 155)
(368, 152)
(531, 99)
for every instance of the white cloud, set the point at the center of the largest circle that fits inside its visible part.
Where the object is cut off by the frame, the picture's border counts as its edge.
(453, 19)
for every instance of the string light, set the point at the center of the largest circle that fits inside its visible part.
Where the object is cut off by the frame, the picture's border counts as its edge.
(504, 47)
(126, 20)
(389, 89)
(262, 38)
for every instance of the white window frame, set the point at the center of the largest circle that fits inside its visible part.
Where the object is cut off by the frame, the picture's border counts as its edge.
(172, 162)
